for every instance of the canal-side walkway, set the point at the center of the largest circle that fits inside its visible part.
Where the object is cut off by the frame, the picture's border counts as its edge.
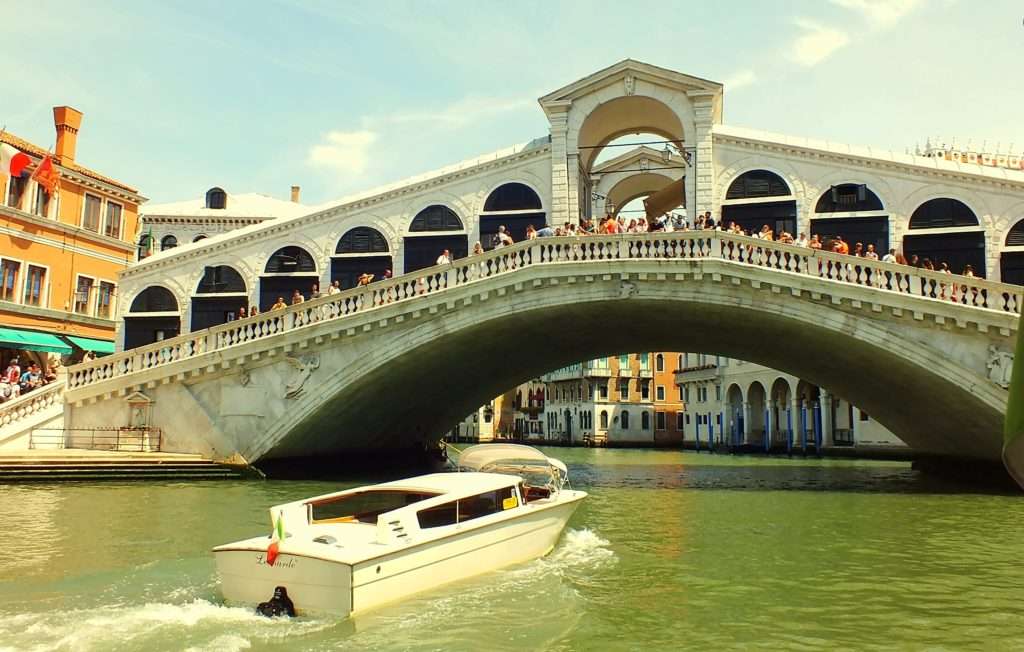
(47, 465)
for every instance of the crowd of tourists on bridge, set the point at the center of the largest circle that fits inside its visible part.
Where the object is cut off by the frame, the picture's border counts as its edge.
(614, 225)
(611, 225)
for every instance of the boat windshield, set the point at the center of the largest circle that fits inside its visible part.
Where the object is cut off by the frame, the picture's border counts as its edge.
(363, 506)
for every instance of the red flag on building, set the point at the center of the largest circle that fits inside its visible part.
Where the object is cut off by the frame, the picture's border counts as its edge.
(46, 175)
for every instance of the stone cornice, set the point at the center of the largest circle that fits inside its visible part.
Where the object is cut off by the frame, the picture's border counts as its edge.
(68, 229)
(276, 228)
(202, 219)
(867, 161)
(57, 315)
(95, 184)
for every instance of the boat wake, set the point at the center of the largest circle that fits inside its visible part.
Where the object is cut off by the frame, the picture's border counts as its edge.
(197, 626)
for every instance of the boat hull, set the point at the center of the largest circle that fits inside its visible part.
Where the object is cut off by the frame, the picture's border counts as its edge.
(317, 585)
(314, 585)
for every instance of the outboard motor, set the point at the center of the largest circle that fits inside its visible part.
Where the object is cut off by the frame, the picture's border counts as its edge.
(279, 605)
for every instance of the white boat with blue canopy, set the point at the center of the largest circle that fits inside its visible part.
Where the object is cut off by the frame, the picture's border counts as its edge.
(350, 551)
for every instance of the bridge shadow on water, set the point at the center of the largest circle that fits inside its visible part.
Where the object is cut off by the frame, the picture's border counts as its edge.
(661, 469)
(755, 473)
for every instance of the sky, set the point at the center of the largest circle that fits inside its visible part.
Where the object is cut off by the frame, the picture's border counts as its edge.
(338, 97)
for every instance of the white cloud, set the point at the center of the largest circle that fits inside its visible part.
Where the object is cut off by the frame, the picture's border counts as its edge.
(345, 152)
(880, 14)
(465, 111)
(740, 79)
(817, 43)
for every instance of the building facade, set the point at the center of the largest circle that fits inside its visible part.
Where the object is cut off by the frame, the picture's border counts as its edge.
(61, 254)
(165, 226)
(603, 402)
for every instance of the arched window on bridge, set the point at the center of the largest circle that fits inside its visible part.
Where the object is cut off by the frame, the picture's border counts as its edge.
(288, 269)
(216, 198)
(946, 230)
(853, 212)
(760, 197)
(201, 236)
(219, 297)
(362, 250)
(152, 317)
(427, 239)
(512, 205)
(1011, 261)
(168, 242)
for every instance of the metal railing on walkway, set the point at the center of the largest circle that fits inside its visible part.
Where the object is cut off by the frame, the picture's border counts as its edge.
(680, 245)
(128, 439)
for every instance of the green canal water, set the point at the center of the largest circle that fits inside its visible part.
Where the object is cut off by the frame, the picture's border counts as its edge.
(671, 551)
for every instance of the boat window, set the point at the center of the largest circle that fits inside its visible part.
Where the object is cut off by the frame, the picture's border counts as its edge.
(364, 506)
(467, 509)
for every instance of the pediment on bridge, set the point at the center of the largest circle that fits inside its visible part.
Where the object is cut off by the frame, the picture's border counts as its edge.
(637, 159)
(626, 73)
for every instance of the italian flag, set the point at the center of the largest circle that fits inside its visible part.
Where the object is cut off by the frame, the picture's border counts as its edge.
(12, 161)
(275, 539)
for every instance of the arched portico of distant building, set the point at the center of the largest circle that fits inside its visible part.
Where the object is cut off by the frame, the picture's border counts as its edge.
(757, 402)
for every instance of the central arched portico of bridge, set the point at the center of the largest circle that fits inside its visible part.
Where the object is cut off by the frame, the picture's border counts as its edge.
(438, 345)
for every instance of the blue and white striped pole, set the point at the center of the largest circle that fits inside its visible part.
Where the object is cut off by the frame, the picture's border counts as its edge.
(789, 435)
(817, 429)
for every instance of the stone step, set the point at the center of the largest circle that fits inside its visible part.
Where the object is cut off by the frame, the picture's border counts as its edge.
(112, 466)
(49, 475)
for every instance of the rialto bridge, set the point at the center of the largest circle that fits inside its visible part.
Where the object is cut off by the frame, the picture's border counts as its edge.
(403, 359)
(400, 361)
(959, 213)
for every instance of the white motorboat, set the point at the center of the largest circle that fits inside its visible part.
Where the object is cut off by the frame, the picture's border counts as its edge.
(350, 551)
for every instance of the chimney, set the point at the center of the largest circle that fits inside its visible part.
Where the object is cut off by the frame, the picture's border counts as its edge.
(295, 194)
(66, 120)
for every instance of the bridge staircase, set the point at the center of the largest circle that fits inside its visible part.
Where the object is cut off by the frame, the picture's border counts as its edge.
(88, 465)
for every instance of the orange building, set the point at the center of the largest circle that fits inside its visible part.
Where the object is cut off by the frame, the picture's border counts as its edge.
(668, 401)
(60, 255)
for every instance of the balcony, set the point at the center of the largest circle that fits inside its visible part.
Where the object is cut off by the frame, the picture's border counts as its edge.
(692, 374)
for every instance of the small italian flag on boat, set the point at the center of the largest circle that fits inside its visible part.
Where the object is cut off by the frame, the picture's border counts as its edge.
(275, 539)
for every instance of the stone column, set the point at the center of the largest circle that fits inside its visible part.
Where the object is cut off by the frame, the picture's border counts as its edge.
(703, 171)
(746, 423)
(798, 436)
(560, 177)
(827, 421)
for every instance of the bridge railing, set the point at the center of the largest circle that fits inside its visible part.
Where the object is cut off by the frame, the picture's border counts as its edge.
(36, 401)
(746, 250)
